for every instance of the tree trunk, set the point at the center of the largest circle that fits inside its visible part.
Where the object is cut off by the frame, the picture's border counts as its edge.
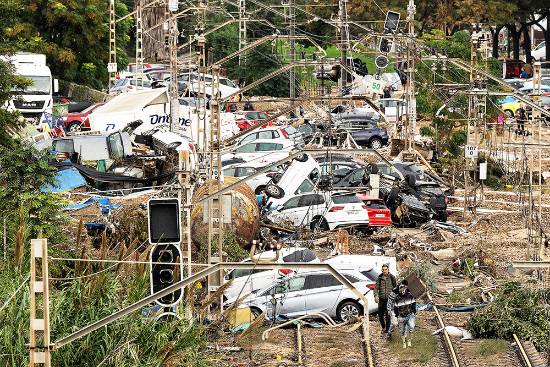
(547, 37)
(526, 43)
(515, 40)
(495, 34)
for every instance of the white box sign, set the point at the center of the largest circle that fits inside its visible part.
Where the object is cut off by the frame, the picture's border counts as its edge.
(470, 152)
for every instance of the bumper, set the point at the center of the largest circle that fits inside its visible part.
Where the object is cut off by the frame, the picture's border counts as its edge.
(359, 224)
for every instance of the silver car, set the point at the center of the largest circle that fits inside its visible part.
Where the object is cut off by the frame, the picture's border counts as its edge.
(312, 292)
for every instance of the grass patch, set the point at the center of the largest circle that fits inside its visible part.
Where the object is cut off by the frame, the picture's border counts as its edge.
(340, 364)
(489, 347)
(424, 346)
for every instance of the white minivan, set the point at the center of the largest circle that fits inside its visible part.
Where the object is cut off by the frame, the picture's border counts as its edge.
(246, 281)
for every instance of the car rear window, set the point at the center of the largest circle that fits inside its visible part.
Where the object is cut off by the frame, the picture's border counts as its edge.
(375, 204)
(351, 278)
(370, 274)
(301, 256)
(346, 199)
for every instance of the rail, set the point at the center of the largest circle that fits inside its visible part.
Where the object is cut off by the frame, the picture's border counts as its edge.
(446, 338)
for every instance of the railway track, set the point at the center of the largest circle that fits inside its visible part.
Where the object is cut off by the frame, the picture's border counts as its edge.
(527, 354)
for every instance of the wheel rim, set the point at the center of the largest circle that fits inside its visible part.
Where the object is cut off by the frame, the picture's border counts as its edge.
(376, 144)
(348, 311)
(74, 127)
(272, 190)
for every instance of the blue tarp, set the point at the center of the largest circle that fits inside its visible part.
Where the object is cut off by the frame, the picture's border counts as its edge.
(104, 204)
(67, 179)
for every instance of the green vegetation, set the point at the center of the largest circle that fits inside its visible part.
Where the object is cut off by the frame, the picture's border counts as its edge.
(489, 347)
(515, 310)
(424, 346)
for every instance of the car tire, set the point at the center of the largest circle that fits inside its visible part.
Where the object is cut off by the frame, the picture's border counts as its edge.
(74, 126)
(274, 191)
(375, 143)
(276, 177)
(302, 158)
(259, 190)
(256, 312)
(348, 310)
(372, 168)
(320, 223)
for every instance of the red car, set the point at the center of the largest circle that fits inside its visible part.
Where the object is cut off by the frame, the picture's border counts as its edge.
(77, 121)
(379, 214)
(252, 118)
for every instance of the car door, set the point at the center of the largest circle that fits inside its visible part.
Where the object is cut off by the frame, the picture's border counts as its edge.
(244, 281)
(287, 211)
(312, 205)
(321, 292)
(289, 298)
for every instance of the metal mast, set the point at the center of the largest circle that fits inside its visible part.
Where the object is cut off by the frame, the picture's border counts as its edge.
(139, 43)
(112, 43)
(410, 119)
(242, 30)
(292, 33)
(344, 41)
(173, 42)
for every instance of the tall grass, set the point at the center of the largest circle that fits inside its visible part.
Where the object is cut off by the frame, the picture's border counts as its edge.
(130, 341)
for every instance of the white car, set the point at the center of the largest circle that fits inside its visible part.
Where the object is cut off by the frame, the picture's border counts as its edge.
(242, 170)
(306, 293)
(262, 151)
(321, 210)
(227, 86)
(129, 85)
(539, 52)
(368, 265)
(245, 281)
(300, 177)
(275, 133)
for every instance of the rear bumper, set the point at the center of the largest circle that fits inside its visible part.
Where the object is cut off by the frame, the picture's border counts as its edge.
(358, 224)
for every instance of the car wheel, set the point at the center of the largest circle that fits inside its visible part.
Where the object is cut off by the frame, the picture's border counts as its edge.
(349, 310)
(256, 312)
(276, 177)
(259, 190)
(302, 158)
(274, 191)
(375, 143)
(320, 223)
(74, 126)
(372, 168)
(509, 114)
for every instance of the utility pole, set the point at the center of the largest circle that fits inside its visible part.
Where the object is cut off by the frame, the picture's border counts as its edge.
(112, 44)
(139, 43)
(242, 31)
(173, 45)
(344, 41)
(215, 205)
(536, 116)
(410, 119)
(39, 249)
(476, 112)
(292, 33)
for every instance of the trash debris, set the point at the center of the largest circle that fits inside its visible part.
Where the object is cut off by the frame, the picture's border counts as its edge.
(456, 332)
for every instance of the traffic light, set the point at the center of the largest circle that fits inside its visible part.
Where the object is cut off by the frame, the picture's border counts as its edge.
(164, 221)
(392, 22)
(166, 258)
(385, 45)
(166, 269)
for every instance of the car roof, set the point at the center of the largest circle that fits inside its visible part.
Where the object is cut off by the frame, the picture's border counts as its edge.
(284, 142)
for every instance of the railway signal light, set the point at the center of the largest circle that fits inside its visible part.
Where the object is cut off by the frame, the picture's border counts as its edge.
(166, 270)
(164, 221)
(392, 22)
(385, 45)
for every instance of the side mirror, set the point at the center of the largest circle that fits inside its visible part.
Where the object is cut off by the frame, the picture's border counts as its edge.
(55, 86)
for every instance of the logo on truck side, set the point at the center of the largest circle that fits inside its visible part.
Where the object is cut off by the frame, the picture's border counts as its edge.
(165, 119)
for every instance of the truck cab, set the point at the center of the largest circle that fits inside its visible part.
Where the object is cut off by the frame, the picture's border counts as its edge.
(36, 98)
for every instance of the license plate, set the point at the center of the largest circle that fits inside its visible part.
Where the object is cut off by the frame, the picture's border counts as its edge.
(379, 216)
(352, 212)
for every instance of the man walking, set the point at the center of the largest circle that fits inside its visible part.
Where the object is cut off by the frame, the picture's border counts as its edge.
(384, 285)
(402, 306)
